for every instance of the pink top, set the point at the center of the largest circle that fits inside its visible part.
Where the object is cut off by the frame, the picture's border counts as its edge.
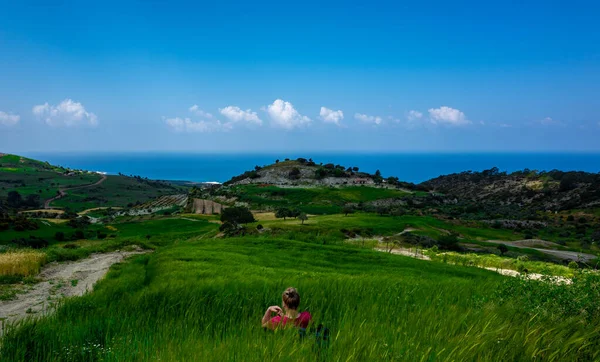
(301, 322)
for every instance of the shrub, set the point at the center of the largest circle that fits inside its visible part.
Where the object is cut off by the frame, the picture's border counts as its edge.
(59, 236)
(448, 242)
(294, 173)
(238, 215)
(573, 265)
(33, 242)
(259, 227)
(503, 249)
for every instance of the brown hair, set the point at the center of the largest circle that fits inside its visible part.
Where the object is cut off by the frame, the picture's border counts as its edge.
(291, 298)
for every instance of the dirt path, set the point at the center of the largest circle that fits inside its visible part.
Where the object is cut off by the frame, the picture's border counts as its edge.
(418, 254)
(60, 280)
(62, 191)
(561, 254)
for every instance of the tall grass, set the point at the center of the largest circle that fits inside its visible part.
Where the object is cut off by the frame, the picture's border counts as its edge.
(499, 262)
(21, 263)
(202, 300)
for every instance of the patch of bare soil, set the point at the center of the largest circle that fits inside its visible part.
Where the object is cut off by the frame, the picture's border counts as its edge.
(61, 280)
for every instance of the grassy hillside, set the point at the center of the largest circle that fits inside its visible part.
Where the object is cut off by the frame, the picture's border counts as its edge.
(31, 177)
(117, 191)
(202, 299)
(314, 200)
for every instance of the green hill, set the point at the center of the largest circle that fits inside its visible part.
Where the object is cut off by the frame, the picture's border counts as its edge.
(37, 182)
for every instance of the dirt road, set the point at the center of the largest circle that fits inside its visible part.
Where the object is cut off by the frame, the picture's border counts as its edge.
(561, 254)
(62, 191)
(60, 280)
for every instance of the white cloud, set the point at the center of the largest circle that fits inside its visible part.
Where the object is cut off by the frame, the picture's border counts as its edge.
(187, 125)
(368, 119)
(235, 114)
(447, 115)
(8, 119)
(549, 122)
(331, 116)
(283, 114)
(414, 115)
(67, 113)
(198, 112)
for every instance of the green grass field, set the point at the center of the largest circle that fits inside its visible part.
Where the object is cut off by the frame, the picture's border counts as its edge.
(316, 200)
(202, 299)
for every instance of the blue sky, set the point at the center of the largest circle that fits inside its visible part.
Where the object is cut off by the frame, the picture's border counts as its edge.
(268, 76)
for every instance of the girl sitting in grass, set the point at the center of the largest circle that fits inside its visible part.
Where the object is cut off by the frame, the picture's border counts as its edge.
(289, 315)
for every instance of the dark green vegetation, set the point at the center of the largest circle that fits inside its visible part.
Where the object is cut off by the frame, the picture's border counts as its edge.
(197, 298)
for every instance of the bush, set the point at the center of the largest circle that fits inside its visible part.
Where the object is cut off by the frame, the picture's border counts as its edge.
(259, 227)
(503, 249)
(573, 265)
(294, 173)
(238, 215)
(448, 242)
(59, 236)
(33, 242)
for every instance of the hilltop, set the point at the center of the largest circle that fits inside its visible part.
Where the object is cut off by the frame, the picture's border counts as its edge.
(306, 172)
(538, 191)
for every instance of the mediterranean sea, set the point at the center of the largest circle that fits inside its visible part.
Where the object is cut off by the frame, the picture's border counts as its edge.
(220, 167)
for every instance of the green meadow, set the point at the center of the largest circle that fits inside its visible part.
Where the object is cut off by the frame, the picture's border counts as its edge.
(197, 298)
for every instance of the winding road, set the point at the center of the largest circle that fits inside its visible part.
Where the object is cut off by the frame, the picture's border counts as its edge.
(62, 192)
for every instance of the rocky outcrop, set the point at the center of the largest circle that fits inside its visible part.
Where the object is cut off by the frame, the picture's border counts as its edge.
(206, 207)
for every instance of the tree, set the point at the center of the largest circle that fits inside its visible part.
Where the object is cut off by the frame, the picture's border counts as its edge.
(448, 242)
(503, 249)
(320, 173)
(348, 209)
(283, 212)
(568, 183)
(355, 169)
(303, 217)
(14, 199)
(238, 215)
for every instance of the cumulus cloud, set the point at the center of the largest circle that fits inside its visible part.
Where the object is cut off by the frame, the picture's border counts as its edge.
(331, 116)
(178, 124)
(8, 119)
(199, 112)
(414, 115)
(283, 114)
(67, 113)
(235, 114)
(447, 115)
(368, 119)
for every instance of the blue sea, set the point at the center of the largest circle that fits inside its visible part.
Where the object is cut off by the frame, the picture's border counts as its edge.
(411, 167)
